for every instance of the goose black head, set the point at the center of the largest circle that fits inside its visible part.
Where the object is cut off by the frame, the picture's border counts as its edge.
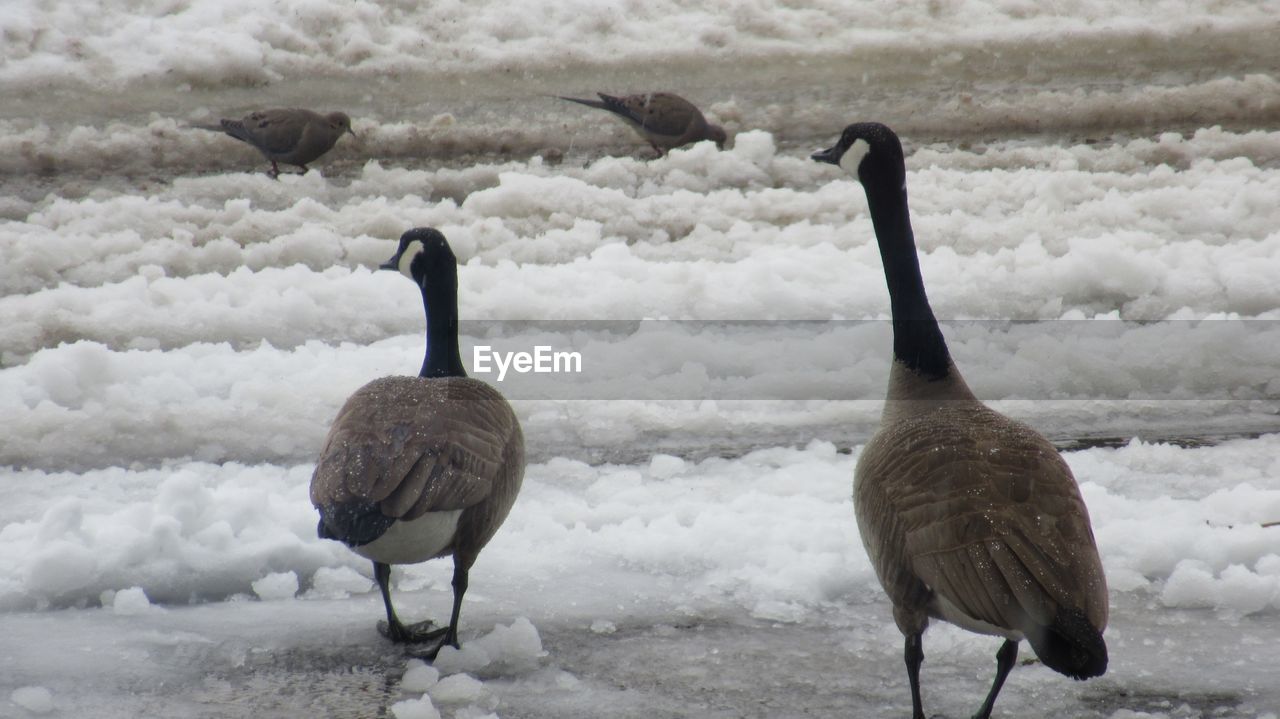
(424, 256)
(870, 152)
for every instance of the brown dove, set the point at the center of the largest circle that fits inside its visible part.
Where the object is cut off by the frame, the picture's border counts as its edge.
(290, 135)
(663, 119)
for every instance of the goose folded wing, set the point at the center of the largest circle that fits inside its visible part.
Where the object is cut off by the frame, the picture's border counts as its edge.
(409, 460)
(1000, 549)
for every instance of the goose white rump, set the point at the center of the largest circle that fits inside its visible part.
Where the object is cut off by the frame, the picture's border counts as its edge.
(413, 541)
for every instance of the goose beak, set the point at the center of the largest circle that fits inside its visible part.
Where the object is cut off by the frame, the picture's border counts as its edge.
(831, 156)
(391, 264)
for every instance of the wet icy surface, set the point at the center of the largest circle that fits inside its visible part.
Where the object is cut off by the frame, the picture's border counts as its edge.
(280, 659)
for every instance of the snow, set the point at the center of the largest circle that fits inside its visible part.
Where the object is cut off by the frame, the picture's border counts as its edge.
(420, 708)
(127, 602)
(515, 647)
(419, 676)
(243, 42)
(277, 585)
(1092, 188)
(458, 688)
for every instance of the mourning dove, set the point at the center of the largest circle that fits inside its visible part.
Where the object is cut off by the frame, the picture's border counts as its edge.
(293, 136)
(664, 119)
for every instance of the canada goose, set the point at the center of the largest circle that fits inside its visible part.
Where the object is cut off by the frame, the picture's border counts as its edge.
(968, 516)
(663, 119)
(421, 467)
(290, 135)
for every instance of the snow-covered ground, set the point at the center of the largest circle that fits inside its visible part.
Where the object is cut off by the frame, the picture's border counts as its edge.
(1093, 194)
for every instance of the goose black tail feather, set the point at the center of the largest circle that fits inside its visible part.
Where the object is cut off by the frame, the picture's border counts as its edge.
(354, 524)
(1071, 646)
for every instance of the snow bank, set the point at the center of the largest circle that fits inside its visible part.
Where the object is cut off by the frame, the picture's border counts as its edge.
(242, 42)
(226, 318)
(771, 532)
(232, 529)
(1150, 229)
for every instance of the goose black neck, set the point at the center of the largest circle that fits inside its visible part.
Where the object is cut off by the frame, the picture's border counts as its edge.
(443, 358)
(917, 339)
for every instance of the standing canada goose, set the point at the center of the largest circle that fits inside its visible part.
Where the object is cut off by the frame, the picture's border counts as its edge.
(293, 136)
(421, 467)
(665, 120)
(968, 516)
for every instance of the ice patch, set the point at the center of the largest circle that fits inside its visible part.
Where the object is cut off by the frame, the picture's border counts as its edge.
(419, 676)
(664, 466)
(277, 585)
(338, 583)
(458, 689)
(516, 648)
(36, 700)
(131, 602)
(782, 612)
(420, 708)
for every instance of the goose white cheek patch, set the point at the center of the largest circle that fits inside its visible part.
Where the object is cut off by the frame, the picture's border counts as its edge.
(852, 157)
(406, 258)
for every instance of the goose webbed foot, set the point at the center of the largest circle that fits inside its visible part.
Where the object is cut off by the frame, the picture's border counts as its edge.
(417, 633)
(447, 638)
(420, 633)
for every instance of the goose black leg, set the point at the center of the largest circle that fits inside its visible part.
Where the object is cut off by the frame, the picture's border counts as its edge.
(449, 635)
(1005, 659)
(275, 175)
(392, 628)
(913, 653)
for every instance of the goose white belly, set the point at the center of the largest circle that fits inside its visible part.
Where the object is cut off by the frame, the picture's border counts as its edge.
(942, 607)
(414, 541)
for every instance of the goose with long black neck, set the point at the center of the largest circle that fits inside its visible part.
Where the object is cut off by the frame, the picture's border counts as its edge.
(416, 468)
(968, 516)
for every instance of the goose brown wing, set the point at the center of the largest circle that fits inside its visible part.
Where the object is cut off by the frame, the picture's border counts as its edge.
(994, 523)
(412, 445)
